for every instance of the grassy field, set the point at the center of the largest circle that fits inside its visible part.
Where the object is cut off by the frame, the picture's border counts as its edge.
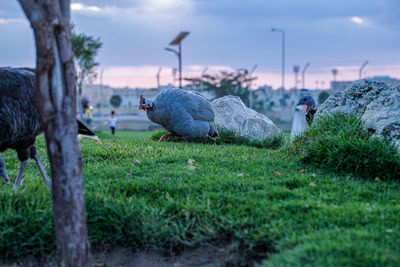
(265, 205)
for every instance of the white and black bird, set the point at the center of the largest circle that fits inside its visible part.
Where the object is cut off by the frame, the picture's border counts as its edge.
(20, 121)
(187, 114)
(309, 104)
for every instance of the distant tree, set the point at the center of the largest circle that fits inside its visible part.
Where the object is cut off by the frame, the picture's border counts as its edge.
(322, 97)
(282, 102)
(271, 105)
(227, 83)
(115, 101)
(85, 50)
(259, 106)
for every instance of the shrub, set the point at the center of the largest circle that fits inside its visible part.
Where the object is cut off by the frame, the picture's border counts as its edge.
(340, 143)
(115, 101)
(228, 137)
(322, 97)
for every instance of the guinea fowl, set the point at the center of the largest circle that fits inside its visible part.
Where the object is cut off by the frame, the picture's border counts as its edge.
(309, 104)
(183, 113)
(20, 121)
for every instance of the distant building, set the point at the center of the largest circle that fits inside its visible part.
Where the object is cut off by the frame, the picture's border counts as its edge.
(100, 95)
(338, 86)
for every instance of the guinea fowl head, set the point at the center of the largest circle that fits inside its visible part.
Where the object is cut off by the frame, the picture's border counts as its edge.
(308, 103)
(145, 104)
(3, 172)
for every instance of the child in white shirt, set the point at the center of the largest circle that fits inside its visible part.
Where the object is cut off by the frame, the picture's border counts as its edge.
(112, 121)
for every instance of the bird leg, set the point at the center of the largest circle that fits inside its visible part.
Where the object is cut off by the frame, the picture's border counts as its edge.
(213, 138)
(42, 170)
(166, 136)
(21, 170)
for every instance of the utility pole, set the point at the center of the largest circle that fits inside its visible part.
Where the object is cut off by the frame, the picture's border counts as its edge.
(251, 91)
(283, 54)
(362, 68)
(296, 70)
(334, 72)
(303, 75)
(201, 78)
(174, 70)
(158, 77)
(333, 84)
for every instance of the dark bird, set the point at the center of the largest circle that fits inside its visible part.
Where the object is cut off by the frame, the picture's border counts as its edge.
(20, 121)
(308, 102)
(183, 113)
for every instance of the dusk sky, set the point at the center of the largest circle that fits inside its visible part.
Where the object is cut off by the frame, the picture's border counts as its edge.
(224, 35)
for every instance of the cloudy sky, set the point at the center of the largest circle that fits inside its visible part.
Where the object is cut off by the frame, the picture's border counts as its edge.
(225, 34)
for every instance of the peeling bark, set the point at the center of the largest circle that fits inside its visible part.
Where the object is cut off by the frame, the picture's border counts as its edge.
(56, 88)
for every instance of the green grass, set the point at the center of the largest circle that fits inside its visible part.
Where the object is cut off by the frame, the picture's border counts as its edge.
(228, 137)
(340, 143)
(143, 194)
(137, 135)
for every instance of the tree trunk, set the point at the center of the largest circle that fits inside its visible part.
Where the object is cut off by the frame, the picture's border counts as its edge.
(56, 89)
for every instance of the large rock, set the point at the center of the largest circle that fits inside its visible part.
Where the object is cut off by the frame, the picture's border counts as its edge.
(232, 114)
(377, 103)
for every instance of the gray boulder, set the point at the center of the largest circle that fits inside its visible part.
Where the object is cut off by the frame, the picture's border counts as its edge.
(376, 102)
(232, 114)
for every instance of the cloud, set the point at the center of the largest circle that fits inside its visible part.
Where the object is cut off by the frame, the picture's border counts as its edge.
(11, 20)
(357, 20)
(82, 7)
(153, 11)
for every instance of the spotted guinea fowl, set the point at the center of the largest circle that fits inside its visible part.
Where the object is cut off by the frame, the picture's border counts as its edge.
(308, 102)
(188, 114)
(20, 121)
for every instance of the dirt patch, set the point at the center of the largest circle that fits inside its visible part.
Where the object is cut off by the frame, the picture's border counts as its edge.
(202, 256)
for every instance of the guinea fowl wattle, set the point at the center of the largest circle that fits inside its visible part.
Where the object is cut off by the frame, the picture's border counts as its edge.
(188, 114)
(20, 121)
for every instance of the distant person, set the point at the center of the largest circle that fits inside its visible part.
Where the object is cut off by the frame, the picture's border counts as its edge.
(112, 121)
(88, 117)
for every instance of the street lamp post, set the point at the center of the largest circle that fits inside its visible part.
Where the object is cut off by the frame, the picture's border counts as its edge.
(283, 54)
(201, 78)
(251, 91)
(296, 70)
(178, 41)
(158, 77)
(362, 68)
(334, 72)
(303, 75)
